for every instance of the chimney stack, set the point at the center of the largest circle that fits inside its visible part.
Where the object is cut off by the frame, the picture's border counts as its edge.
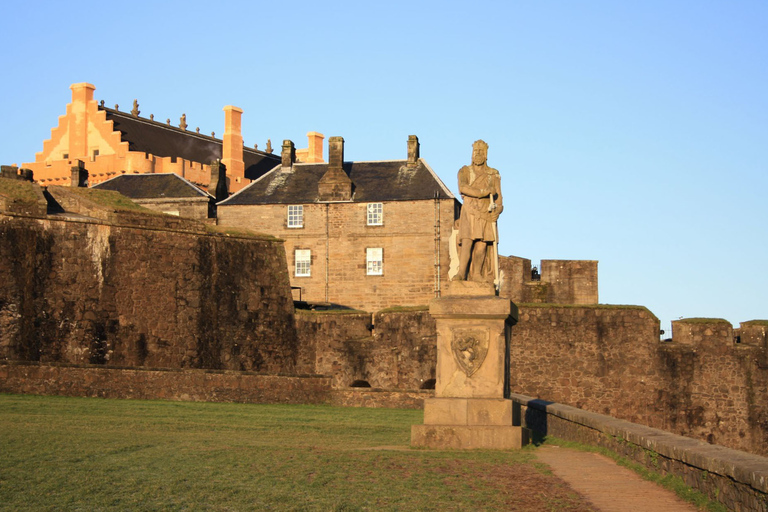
(232, 147)
(335, 185)
(413, 151)
(288, 154)
(218, 184)
(335, 153)
(79, 175)
(315, 150)
(82, 95)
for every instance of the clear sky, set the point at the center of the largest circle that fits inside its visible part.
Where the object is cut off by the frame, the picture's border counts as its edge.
(633, 133)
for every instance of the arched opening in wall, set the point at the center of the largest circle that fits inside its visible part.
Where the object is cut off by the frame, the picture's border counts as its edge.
(428, 384)
(360, 384)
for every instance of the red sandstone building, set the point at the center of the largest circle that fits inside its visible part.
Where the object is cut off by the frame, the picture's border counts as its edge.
(111, 142)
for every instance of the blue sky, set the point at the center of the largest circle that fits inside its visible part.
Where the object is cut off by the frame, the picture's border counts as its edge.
(633, 133)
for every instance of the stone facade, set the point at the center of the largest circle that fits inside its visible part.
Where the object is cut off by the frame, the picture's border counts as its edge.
(415, 266)
(114, 292)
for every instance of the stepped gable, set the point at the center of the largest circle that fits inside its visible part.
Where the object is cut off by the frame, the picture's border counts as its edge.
(372, 182)
(152, 186)
(164, 140)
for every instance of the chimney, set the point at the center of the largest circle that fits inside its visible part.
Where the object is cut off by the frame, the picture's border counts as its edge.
(82, 95)
(79, 175)
(218, 184)
(232, 147)
(335, 185)
(288, 154)
(413, 151)
(315, 150)
(335, 152)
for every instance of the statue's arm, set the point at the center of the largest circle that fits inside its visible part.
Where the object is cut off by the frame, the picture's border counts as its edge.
(468, 190)
(498, 200)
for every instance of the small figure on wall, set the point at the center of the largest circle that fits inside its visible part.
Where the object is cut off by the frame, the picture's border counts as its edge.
(480, 188)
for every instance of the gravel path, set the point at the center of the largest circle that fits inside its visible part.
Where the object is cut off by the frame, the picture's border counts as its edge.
(610, 487)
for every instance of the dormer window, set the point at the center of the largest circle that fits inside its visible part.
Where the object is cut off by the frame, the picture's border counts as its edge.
(375, 214)
(295, 216)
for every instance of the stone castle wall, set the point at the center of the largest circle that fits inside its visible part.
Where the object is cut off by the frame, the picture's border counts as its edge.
(560, 281)
(390, 350)
(103, 292)
(603, 359)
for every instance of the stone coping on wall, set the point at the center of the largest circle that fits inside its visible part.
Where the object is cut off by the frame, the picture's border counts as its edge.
(745, 468)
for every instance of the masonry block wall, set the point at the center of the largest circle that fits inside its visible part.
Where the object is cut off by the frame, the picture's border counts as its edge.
(561, 281)
(115, 294)
(604, 359)
(337, 236)
(390, 350)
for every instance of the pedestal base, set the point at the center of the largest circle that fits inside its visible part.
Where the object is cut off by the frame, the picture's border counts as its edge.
(470, 423)
(457, 437)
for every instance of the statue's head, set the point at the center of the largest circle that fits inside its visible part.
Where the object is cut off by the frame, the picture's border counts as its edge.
(479, 152)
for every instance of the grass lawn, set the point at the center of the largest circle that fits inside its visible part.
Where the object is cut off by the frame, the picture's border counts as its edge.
(60, 453)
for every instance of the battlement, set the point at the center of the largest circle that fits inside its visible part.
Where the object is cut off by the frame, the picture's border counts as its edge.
(558, 281)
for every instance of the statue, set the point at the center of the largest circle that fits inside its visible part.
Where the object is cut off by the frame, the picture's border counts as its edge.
(478, 237)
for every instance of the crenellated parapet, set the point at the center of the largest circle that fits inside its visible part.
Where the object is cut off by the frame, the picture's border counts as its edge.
(554, 282)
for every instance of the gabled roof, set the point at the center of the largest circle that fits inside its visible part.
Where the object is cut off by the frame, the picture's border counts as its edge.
(153, 186)
(372, 182)
(163, 140)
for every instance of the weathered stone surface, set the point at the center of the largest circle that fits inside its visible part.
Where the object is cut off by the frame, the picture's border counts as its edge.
(103, 293)
(388, 350)
(458, 437)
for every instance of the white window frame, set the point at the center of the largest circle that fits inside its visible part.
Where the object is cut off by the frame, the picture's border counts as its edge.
(295, 217)
(374, 261)
(302, 266)
(375, 214)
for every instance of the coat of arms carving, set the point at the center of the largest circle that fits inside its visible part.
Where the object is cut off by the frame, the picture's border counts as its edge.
(469, 347)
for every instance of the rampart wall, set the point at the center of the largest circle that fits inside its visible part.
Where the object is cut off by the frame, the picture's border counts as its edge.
(103, 292)
(603, 359)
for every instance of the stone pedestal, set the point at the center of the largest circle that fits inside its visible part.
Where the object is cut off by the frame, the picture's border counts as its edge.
(471, 408)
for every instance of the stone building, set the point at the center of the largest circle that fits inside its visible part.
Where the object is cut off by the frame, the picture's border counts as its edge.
(166, 193)
(112, 142)
(367, 235)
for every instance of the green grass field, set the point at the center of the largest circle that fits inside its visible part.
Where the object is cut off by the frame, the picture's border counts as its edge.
(60, 453)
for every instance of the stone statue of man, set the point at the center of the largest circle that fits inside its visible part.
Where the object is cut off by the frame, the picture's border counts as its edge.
(480, 188)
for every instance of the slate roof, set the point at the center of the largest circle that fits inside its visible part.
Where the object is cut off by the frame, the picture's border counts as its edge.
(169, 141)
(152, 186)
(372, 182)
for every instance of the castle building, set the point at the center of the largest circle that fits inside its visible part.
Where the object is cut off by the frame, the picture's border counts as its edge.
(165, 193)
(367, 235)
(112, 142)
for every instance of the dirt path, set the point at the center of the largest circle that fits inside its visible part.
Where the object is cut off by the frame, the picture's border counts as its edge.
(610, 487)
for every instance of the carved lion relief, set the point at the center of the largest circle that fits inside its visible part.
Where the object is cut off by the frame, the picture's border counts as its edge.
(469, 347)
